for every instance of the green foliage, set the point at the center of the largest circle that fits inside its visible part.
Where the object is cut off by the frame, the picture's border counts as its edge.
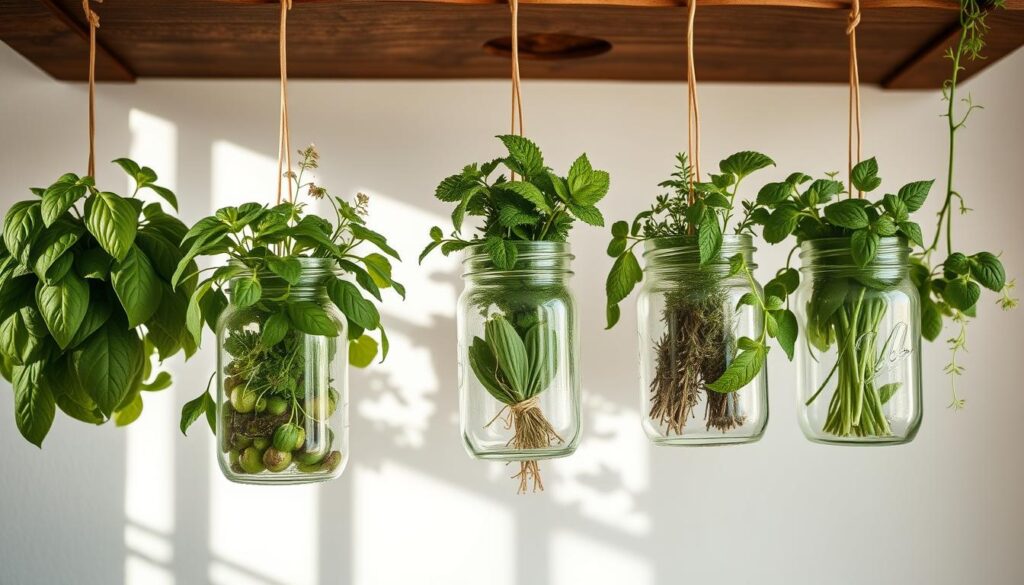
(702, 210)
(513, 366)
(531, 204)
(266, 242)
(86, 302)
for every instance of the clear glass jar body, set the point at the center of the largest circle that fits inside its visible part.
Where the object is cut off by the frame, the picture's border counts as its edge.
(858, 355)
(519, 386)
(282, 404)
(689, 320)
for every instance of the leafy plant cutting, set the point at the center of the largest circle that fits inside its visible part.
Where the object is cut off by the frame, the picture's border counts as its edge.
(519, 352)
(86, 301)
(284, 267)
(698, 355)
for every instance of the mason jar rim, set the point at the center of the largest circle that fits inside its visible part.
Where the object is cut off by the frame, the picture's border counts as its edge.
(313, 271)
(836, 252)
(682, 251)
(544, 256)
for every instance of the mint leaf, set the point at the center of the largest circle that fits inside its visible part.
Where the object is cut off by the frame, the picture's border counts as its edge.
(864, 175)
(847, 214)
(741, 371)
(742, 164)
(914, 194)
(988, 271)
(503, 253)
(524, 157)
(864, 246)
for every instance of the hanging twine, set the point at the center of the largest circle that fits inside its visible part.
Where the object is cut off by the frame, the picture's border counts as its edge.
(693, 109)
(854, 152)
(517, 96)
(94, 23)
(284, 145)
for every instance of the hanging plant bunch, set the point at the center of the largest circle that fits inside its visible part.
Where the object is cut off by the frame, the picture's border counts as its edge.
(698, 355)
(86, 301)
(280, 260)
(522, 348)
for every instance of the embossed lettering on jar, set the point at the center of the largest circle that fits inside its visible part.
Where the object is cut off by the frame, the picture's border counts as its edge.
(859, 351)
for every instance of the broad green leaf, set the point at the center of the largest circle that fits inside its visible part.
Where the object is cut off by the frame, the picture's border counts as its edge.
(310, 318)
(165, 328)
(137, 286)
(524, 156)
(113, 221)
(454, 188)
(246, 292)
(957, 263)
(742, 164)
(165, 193)
(988, 271)
(864, 175)
(503, 253)
(59, 198)
(195, 408)
(162, 381)
(360, 311)
(194, 313)
(541, 344)
(108, 362)
(362, 351)
(915, 194)
(886, 392)
(624, 275)
(93, 263)
(741, 371)
(52, 243)
(961, 294)
(781, 224)
(163, 254)
(848, 214)
(527, 191)
(374, 238)
(97, 314)
(129, 413)
(130, 167)
(709, 238)
(588, 214)
(485, 367)
(274, 329)
(34, 406)
(931, 320)
(913, 232)
(379, 269)
(593, 190)
(864, 246)
(748, 298)
(67, 390)
(620, 229)
(17, 339)
(511, 216)
(290, 269)
(787, 331)
(885, 226)
(774, 193)
(63, 307)
(617, 246)
(21, 227)
(510, 353)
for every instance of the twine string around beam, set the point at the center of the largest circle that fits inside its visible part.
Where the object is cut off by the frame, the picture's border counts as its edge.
(693, 108)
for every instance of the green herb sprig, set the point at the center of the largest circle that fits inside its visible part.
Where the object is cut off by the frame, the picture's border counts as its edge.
(259, 240)
(531, 204)
(86, 303)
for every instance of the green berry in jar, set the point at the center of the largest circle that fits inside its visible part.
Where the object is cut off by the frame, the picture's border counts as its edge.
(243, 400)
(240, 442)
(289, 437)
(261, 443)
(276, 406)
(251, 460)
(277, 460)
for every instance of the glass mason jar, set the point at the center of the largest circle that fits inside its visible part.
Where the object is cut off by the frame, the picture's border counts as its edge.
(519, 386)
(689, 320)
(282, 406)
(859, 352)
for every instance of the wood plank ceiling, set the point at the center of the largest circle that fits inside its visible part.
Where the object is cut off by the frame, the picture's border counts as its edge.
(901, 42)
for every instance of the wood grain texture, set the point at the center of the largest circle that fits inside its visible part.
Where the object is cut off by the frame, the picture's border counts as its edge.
(737, 40)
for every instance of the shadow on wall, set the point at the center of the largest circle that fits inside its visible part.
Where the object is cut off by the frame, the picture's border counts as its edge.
(411, 494)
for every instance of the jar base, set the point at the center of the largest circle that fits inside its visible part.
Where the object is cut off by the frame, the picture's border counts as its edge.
(861, 441)
(705, 441)
(520, 455)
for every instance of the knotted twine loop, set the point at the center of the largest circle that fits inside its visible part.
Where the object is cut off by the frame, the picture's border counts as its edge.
(517, 96)
(284, 145)
(854, 153)
(693, 109)
(94, 23)
(516, 409)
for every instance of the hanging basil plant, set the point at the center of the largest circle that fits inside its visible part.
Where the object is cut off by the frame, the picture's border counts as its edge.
(86, 301)
(261, 241)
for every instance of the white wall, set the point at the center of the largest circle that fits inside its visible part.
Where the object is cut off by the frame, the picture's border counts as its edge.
(147, 506)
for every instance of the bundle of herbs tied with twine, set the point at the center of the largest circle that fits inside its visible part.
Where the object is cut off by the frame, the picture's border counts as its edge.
(699, 354)
(517, 358)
